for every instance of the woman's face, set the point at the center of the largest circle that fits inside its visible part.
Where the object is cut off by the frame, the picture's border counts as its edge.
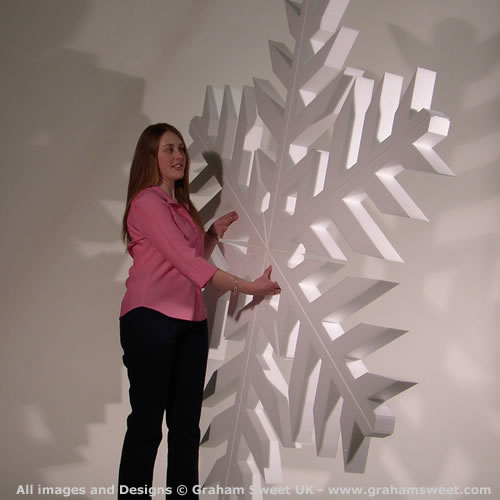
(171, 159)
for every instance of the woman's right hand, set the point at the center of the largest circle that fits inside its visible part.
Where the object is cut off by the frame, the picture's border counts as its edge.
(264, 285)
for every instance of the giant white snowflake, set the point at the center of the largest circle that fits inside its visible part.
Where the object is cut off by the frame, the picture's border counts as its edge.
(306, 168)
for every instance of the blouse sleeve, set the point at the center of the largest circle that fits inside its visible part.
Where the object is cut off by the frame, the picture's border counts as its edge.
(152, 217)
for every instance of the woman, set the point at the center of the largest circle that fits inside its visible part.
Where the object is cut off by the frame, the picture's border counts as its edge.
(163, 327)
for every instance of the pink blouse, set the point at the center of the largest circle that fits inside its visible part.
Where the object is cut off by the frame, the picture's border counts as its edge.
(169, 269)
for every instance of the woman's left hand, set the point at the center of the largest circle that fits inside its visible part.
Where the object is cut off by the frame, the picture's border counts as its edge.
(219, 227)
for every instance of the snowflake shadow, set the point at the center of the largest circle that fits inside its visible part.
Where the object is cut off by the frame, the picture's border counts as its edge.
(60, 336)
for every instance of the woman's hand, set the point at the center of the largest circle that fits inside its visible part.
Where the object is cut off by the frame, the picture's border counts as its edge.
(264, 285)
(219, 227)
(260, 287)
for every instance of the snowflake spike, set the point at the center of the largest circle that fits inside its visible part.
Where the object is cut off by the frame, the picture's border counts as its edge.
(320, 241)
(265, 167)
(271, 389)
(333, 14)
(354, 444)
(201, 140)
(206, 193)
(382, 107)
(415, 157)
(293, 17)
(218, 344)
(315, 241)
(258, 190)
(218, 428)
(248, 230)
(296, 191)
(349, 296)
(339, 144)
(281, 60)
(362, 95)
(328, 62)
(319, 114)
(270, 106)
(379, 117)
(388, 101)
(379, 389)
(263, 445)
(364, 339)
(219, 471)
(390, 197)
(251, 430)
(247, 140)
(346, 136)
(359, 229)
(312, 277)
(422, 85)
(211, 111)
(315, 165)
(294, 183)
(287, 327)
(277, 411)
(195, 151)
(418, 95)
(303, 381)
(223, 380)
(227, 123)
(312, 273)
(248, 474)
(326, 411)
(438, 130)
(321, 16)
(324, 240)
(237, 324)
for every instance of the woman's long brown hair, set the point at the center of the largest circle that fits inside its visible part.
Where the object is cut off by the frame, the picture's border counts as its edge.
(145, 172)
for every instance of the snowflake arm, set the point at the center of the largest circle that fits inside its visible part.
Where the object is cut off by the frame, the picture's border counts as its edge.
(310, 212)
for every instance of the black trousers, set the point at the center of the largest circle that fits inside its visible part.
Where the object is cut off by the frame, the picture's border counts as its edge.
(166, 361)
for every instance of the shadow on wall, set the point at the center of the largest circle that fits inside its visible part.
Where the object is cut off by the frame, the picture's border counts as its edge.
(453, 277)
(66, 133)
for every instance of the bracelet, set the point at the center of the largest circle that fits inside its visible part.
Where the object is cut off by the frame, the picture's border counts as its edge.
(212, 233)
(235, 286)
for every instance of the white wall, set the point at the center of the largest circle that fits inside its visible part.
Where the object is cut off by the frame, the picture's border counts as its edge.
(82, 78)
